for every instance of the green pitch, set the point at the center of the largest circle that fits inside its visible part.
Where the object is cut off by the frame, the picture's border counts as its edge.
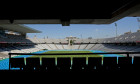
(55, 56)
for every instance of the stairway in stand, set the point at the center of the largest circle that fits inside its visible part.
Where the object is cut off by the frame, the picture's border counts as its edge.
(70, 47)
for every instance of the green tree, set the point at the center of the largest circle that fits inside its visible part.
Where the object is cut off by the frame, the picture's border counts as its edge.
(71, 42)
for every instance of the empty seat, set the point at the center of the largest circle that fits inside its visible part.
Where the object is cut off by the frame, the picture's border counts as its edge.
(64, 64)
(125, 63)
(32, 63)
(94, 64)
(17, 62)
(48, 64)
(110, 63)
(79, 63)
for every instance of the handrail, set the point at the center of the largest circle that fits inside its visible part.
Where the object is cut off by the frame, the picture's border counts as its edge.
(74, 53)
(127, 53)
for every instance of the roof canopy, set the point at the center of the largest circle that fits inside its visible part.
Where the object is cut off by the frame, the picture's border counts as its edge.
(97, 12)
(18, 28)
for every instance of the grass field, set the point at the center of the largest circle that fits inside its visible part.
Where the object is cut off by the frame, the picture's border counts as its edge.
(53, 56)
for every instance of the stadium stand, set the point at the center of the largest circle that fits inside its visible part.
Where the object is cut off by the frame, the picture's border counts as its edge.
(82, 46)
(89, 46)
(59, 46)
(65, 47)
(14, 44)
(128, 42)
(52, 46)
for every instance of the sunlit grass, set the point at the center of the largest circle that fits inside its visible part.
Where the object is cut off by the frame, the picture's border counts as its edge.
(53, 56)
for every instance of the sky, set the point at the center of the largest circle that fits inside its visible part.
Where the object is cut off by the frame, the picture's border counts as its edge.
(85, 30)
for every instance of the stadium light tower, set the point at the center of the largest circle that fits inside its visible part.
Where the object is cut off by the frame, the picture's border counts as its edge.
(138, 19)
(116, 29)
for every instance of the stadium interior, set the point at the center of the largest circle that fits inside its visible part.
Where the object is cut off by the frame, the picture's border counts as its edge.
(21, 53)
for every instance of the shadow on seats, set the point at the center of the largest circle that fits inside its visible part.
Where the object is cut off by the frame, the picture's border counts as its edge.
(125, 64)
(136, 64)
(79, 64)
(64, 64)
(94, 64)
(110, 63)
(48, 64)
(32, 64)
(17, 63)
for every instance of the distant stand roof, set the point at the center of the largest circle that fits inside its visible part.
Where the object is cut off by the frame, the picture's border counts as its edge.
(18, 28)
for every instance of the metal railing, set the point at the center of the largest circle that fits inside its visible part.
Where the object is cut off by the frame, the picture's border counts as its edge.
(51, 54)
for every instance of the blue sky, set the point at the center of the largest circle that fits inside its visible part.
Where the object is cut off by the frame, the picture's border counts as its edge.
(85, 30)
